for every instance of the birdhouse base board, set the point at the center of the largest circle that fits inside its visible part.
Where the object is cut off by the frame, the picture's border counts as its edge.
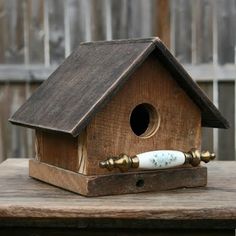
(123, 183)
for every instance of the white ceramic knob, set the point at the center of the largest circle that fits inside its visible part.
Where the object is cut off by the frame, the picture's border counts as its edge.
(160, 159)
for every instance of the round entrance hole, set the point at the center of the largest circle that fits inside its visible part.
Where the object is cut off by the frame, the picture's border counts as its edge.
(144, 120)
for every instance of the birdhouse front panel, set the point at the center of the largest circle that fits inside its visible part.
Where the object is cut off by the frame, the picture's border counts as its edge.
(150, 112)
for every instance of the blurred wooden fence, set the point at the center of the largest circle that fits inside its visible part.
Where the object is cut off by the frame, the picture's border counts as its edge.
(36, 35)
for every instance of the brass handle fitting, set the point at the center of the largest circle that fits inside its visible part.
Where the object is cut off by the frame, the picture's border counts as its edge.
(194, 157)
(123, 162)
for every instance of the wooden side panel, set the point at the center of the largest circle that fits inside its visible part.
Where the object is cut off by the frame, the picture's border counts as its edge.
(61, 150)
(110, 134)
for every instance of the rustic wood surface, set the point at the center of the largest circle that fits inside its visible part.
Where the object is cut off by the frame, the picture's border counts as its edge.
(23, 198)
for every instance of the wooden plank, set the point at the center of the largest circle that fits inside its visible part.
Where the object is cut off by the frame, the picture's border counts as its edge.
(38, 73)
(13, 137)
(226, 22)
(67, 28)
(13, 31)
(204, 31)
(108, 18)
(15, 141)
(56, 31)
(35, 23)
(21, 73)
(119, 19)
(183, 33)
(226, 105)
(77, 22)
(120, 183)
(16, 96)
(163, 21)
(98, 24)
(134, 19)
(3, 154)
(147, 23)
(139, 18)
(207, 133)
(209, 72)
(27, 200)
(2, 29)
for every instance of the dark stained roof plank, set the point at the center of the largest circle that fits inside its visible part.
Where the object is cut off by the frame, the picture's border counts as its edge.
(91, 75)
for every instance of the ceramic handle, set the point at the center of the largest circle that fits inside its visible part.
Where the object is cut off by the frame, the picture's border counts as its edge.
(160, 159)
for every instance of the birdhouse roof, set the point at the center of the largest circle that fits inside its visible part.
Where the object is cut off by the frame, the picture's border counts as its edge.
(91, 75)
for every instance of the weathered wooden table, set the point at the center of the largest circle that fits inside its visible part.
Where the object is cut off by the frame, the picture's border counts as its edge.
(30, 207)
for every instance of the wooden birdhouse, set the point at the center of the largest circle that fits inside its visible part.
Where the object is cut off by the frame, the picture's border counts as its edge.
(118, 97)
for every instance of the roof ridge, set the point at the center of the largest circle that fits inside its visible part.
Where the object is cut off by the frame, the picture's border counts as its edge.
(124, 41)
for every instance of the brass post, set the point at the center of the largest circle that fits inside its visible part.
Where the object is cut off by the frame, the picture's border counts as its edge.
(123, 162)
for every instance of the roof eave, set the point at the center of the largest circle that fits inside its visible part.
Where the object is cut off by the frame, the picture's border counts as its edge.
(215, 119)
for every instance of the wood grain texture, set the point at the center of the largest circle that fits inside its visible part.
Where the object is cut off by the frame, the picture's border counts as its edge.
(56, 9)
(203, 21)
(123, 183)
(207, 133)
(109, 132)
(182, 27)
(33, 28)
(227, 139)
(58, 149)
(62, 150)
(226, 15)
(19, 141)
(22, 197)
(100, 69)
(211, 117)
(163, 21)
(12, 39)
